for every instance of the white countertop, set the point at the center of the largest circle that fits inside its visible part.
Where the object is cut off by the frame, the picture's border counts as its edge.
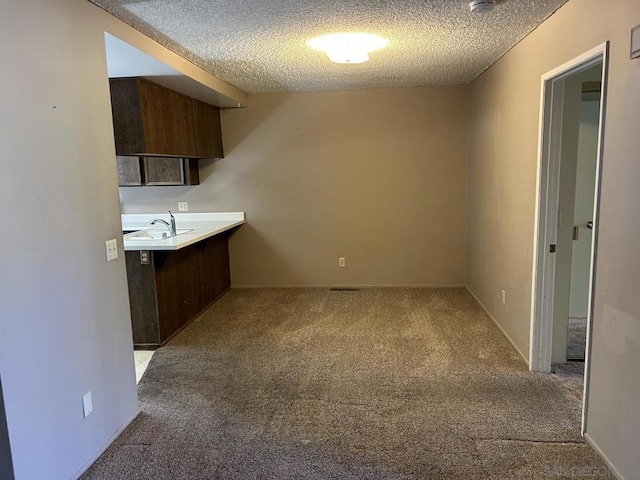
(201, 226)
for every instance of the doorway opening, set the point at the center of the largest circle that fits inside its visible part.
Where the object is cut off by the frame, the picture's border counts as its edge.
(577, 191)
(569, 163)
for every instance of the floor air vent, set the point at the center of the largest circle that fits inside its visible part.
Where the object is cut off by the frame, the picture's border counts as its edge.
(344, 289)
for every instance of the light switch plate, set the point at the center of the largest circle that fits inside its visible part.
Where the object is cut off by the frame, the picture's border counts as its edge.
(183, 206)
(111, 247)
(635, 42)
(87, 404)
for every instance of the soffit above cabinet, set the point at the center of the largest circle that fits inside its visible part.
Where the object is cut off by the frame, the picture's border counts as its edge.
(124, 60)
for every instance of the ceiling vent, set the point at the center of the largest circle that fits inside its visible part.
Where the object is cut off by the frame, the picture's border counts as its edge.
(481, 6)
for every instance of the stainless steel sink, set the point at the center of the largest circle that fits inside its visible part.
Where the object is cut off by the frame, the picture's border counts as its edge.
(155, 234)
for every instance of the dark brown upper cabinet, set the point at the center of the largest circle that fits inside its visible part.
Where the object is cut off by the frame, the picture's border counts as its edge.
(206, 119)
(153, 121)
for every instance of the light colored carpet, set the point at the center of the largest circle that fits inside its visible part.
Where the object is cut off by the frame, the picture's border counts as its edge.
(373, 384)
(570, 377)
(576, 338)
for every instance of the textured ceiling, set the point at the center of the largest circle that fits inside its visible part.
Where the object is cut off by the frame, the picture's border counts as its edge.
(261, 46)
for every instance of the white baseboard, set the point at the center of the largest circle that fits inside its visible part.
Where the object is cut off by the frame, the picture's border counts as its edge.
(526, 360)
(104, 447)
(604, 458)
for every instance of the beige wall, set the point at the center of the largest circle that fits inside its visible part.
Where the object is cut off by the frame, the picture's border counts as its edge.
(65, 327)
(64, 319)
(375, 176)
(504, 119)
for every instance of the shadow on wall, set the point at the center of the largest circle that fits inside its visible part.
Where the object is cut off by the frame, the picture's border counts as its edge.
(247, 120)
(207, 166)
(253, 243)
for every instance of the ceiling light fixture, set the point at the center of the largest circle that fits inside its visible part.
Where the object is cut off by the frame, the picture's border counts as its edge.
(481, 6)
(348, 47)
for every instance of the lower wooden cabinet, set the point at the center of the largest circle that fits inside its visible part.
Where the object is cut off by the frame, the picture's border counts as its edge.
(157, 171)
(168, 289)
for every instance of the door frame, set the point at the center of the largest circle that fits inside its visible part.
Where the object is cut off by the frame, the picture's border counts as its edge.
(546, 210)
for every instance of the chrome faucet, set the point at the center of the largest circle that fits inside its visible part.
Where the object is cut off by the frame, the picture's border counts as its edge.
(173, 224)
(171, 227)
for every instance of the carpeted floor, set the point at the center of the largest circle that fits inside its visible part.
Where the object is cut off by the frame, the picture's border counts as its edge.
(372, 384)
(576, 338)
(570, 376)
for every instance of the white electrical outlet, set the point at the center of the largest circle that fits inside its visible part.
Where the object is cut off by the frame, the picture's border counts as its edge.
(341, 262)
(504, 297)
(87, 404)
(112, 249)
(183, 206)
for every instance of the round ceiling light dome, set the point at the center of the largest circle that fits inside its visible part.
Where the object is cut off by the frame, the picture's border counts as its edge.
(348, 47)
(481, 6)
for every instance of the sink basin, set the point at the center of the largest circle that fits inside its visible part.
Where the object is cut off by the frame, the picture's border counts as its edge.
(155, 234)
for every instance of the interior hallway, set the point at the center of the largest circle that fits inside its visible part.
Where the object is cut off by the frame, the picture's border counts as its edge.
(377, 383)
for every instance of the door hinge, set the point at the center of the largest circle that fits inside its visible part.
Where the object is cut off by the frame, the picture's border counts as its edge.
(552, 248)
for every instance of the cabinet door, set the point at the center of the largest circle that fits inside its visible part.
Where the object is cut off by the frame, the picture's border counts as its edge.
(208, 130)
(164, 171)
(142, 299)
(167, 119)
(129, 171)
(177, 285)
(127, 123)
(215, 261)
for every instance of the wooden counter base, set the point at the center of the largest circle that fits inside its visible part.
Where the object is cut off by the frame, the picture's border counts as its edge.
(174, 287)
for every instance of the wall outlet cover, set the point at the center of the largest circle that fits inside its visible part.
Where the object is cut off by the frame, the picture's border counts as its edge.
(111, 247)
(87, 404)
(183, 206)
